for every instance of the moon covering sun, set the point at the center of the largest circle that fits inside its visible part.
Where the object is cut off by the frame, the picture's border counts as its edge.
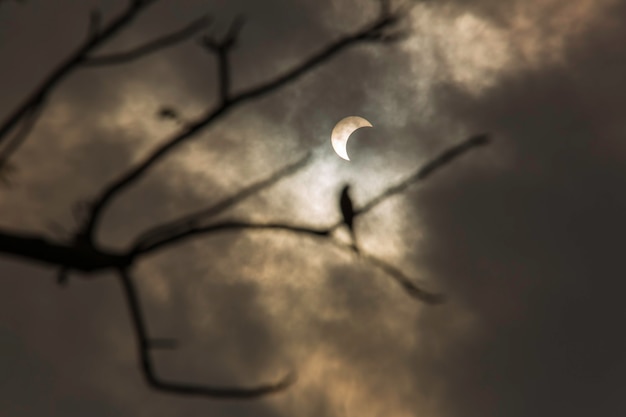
(342, 131)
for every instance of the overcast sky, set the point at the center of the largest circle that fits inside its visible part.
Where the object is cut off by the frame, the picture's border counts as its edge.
(523, 236)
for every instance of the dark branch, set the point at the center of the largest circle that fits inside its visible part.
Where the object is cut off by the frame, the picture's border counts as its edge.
(226, 226)
(192, 129)
(153, 46)
(405, 282)
(184, 223)
(412, 289)
(168, 236)
(425, 171)
(36, 248)
(369, 33)
(37, 97)
(80, 255)
(28, 122)
(127, 178)
(144, 344)
(83, 255)
(221, 49)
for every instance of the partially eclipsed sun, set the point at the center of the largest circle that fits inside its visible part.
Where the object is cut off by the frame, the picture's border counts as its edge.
(342, 131)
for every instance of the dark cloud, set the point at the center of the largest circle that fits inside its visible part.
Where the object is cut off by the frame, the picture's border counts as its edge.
(533, 249)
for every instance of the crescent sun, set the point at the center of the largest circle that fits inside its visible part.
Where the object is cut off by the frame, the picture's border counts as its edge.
(342, 131)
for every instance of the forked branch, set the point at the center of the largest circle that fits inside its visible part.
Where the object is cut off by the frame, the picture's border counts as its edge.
(150, 47)
(235, 225)
(222, 48)
(425, 171)
(191, 220)
(37, 97)
(193, 128)
(167, 235)
(85, 255)
(145, 344)
(28, 123)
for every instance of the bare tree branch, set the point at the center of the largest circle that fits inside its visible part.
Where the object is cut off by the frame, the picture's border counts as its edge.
(144, 345)
(168, 236)
(88, 258)
(28, 122)
(233, 225)
(368, 34)
(221, 48)
(41, 250)
(174, 232)
(83, 254)
(405, 282)
(37, 97)
(175, 238)
(193, 128)
(183, 223)
(150, 47)
(425, 171)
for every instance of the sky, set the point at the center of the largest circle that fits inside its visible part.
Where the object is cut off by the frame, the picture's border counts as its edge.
(522, 236)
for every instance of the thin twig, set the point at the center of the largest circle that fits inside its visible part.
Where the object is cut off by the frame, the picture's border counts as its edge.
(405, 282)
(183, 223)
(222, 48)
(144, 345)
(233, 225)
(150, 47)
(225, 226)
(425, 171)
(30, 118)
(364, 35)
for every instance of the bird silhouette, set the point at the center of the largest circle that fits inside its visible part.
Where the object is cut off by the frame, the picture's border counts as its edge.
(347, 211)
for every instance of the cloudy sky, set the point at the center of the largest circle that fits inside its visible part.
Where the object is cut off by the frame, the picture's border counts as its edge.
(523, 235)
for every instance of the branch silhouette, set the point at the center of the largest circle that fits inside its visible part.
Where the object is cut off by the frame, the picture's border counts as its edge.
(82, 253)
(28, 123)
(45, 251)
(371, 32)
(189, 221)
(426, 171)
(236, 225)
(222, 48)
(145, 344)
(186, 229)
(194, 232)
(148, 48)
(37, 97)
(405, 282)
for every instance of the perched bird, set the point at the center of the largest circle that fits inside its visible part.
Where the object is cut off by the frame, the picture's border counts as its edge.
(347, 211)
